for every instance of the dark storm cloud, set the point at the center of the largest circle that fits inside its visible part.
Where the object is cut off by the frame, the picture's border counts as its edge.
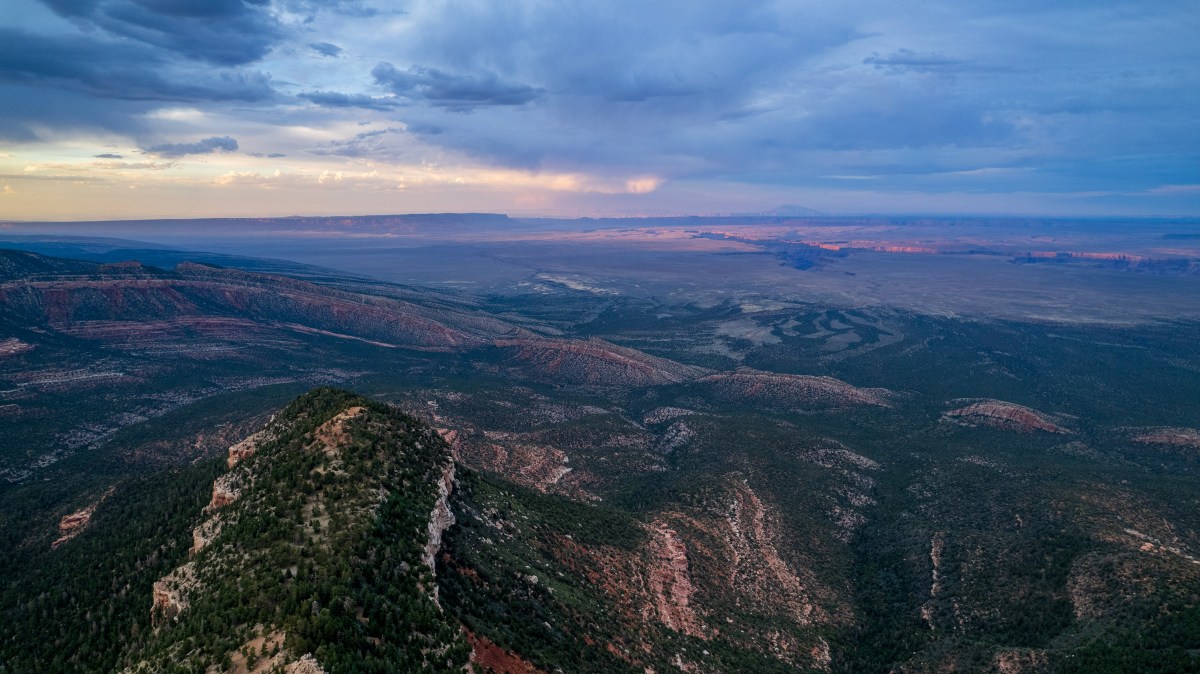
(453, 91)
(206, 146)
(89, 82)
(337, 99)
(119, 69)
(325, 49)
(225, 32)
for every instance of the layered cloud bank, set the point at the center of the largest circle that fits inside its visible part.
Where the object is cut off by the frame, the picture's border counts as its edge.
(242, 106)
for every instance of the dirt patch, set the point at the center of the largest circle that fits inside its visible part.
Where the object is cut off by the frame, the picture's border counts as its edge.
(488, 657)
(332, 434)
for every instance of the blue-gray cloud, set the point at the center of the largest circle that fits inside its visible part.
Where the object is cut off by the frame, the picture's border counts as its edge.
(325, 49)
(92, 82)
(225, 32)
(337, 99)
(372, 143)
(120, 70)
(109, 155)
(205, 146)
(453, 91)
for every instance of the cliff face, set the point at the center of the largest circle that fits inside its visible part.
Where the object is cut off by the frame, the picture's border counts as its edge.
(441, 518)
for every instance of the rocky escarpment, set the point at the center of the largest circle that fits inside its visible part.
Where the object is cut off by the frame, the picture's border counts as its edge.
(1174, 437)
(594, 362)
(246, 448)
(324, 529)
(170, 597)
(1005, 415)
(792, 391)
(441, 518)
(132, 302)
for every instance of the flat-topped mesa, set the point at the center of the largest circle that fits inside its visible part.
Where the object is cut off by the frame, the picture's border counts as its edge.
(1006, 415)
(596, 362)
(792, 390)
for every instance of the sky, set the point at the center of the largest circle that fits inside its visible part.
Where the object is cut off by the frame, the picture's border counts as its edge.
(190, 108)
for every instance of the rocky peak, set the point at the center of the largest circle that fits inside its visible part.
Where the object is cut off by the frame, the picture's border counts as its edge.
(330, 487)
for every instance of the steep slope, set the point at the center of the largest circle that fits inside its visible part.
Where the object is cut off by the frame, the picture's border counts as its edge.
(315, 553)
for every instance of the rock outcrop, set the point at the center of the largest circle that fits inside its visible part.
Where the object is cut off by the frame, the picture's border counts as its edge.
(171, 594)
(13, 346)
(205, 533)
(441, 518)
(661, 414)
(670, 584)
(307, 664)
(244, 449)
(224, 492)
(339, 482)
(73, 524)
(678, 435)
(332, 434)
(1005, 415)
(533, 465)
